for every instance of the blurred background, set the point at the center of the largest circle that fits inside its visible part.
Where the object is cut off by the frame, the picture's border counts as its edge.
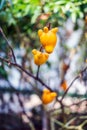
(20, 104)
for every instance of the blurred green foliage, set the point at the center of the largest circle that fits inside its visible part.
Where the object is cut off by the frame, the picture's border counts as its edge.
(26, 17)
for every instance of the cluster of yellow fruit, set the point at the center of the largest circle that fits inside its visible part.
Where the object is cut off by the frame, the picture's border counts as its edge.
(48, 39)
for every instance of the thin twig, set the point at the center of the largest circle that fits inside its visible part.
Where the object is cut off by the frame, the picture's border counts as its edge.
(85, 122)
(1, 31)
(70, 121)
(38, 69)
(29, 74)
(79, 76)
(52, 125)
(24, 112)
(76, 103)
(69, 87)
(59, 123)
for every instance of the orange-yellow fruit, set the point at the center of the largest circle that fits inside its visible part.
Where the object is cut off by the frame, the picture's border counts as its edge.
(86, 19)
(64, 85)
(86, 60)
(48, 96)
(39, 57)
(48, 38)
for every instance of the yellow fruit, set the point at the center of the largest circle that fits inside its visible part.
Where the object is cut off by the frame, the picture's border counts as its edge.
(64, 85)
(39, 57)
(86, 60)
(46, 91)
(48, 96)
(48, 38)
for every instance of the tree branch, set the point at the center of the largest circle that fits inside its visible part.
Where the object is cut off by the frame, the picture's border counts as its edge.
(29, 74)
(1, 31)
(69, 87)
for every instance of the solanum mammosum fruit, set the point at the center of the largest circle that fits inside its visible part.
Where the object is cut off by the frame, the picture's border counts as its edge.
(39, 57)
(48, 38)
(48, 96)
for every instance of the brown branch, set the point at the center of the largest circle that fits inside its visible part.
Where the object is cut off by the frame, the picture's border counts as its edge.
(19, 66)
(1, 31)
(69, 87)
(76, 103)
(79, 76)
(29, 74)
(24, 112)
(38, 69)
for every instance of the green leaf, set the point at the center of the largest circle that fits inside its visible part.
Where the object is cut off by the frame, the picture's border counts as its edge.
(36, 14)
(35, 2)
